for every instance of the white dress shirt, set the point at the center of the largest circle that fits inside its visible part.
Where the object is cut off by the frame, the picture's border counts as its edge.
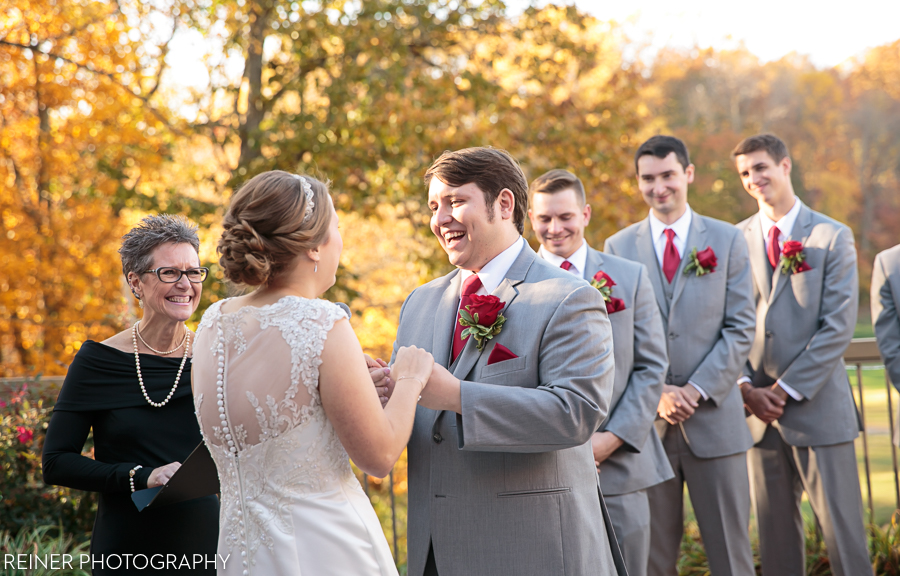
(493, 273)
(658, 232)
(578, 259)
(681, 227)
(785, 226)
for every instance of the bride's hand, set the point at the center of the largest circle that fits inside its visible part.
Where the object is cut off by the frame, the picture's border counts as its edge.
(410, 365)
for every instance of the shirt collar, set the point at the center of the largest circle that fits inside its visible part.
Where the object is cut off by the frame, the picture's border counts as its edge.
(785, 225)
(681, 226)
(578, 259)
(493, 273)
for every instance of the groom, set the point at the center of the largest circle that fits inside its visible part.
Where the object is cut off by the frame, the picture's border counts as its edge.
(501, 473)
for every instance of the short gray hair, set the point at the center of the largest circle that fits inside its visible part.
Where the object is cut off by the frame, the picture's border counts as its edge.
(153, 231)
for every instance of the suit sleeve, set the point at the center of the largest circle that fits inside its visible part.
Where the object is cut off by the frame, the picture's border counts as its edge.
(572, 399)
(837, 319)
(632, 419)
(885, 320)
(719, 371)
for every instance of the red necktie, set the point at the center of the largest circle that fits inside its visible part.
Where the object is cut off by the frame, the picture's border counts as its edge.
(470, 287)
(565, 265)
(773, 251)
(671, 259)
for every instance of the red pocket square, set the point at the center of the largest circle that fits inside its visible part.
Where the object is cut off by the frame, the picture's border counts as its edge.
(499, 354)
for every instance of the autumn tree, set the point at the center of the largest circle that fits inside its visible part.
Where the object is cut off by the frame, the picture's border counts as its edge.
(80, 142)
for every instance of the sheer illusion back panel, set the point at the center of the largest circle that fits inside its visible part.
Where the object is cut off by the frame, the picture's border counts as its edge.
(269, 386)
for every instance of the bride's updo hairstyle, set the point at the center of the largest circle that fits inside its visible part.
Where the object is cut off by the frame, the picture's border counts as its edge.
(272, 218)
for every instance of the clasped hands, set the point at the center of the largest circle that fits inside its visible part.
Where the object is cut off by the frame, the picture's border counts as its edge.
(678, 403)
(765, 403)
(441, 392)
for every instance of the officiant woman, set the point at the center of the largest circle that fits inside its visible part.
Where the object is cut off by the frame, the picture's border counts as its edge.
(134, 392)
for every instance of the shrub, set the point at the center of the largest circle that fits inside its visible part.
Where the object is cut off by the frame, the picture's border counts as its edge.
(45, 543)
(25, 501)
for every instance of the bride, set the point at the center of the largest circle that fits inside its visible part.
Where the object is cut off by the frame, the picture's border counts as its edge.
(283, 394)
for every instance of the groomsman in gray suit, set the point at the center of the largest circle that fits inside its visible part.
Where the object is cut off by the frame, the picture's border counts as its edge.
(701, 278)
(795, 385)
(628, 452)
(885, 299)
(501, 475)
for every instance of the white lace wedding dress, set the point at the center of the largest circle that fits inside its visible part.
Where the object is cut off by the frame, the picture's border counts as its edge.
(290, 502)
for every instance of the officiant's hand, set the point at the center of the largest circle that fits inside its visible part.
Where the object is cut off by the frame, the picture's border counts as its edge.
(381, 378)
(163, 474)
(442, 392)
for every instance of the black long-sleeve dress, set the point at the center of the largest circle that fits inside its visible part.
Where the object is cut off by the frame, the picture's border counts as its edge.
(101, 391)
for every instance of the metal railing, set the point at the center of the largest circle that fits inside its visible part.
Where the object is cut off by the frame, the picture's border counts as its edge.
(863, 352)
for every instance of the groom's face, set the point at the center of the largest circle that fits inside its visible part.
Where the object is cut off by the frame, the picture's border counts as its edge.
(464, 224)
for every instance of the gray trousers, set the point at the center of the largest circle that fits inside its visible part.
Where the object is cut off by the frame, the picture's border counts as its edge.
(779, 473)
(720, 494)
(630, 517)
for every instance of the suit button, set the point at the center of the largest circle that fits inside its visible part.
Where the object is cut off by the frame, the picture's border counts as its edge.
(671, 335)
(437, 438)
(769, 334)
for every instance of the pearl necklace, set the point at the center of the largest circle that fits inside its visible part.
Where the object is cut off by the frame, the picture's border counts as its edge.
(161, 353)
(137, 362)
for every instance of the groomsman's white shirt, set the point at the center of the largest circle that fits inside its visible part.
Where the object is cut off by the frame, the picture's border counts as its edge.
(493, 273)
(785, 226)
(578, 259)
(681, 227)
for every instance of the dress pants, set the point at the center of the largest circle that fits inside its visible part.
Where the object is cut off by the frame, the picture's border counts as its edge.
(630, 517)
(430, 566)
(720, 494)
(779, 474)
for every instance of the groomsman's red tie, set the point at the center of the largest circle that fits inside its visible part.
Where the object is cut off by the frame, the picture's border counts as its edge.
(773, 251)
(565, 265)
(671, 259)
(470, 287)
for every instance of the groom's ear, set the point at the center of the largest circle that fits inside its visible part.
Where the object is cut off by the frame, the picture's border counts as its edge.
(506, 203)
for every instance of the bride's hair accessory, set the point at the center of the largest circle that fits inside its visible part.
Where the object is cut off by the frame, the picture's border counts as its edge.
(308, 191)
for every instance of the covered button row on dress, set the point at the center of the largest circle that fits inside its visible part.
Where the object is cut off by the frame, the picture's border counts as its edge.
(220, 389)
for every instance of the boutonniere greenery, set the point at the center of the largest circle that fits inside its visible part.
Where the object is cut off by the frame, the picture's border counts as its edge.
(793, 259)
(482, 319)
(602, 282)
(702, 262)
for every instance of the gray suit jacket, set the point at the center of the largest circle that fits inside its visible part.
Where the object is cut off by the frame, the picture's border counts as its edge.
(709, 325)
(804, 323)
(509, 486)
(885, 298)
(641, 366)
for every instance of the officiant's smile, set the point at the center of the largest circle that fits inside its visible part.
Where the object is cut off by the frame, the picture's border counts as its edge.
(470, 231)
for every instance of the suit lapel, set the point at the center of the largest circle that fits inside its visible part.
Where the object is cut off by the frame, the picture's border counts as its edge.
(445, 321)
(802, 228)
(696, 239)
(506, 292)
(759, 260)
(593, 264)
(647, 255)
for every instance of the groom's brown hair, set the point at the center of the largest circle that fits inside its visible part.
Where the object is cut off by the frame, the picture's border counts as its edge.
(491, 169)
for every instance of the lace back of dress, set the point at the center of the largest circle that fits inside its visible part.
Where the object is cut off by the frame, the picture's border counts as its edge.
(269, 359)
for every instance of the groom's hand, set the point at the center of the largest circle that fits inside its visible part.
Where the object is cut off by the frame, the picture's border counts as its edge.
(381, 378)
(442, 391)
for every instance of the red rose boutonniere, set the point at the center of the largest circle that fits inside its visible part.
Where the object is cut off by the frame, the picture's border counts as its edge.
(482, 319)
(604, 284)
(793, 259)
(703, 262)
